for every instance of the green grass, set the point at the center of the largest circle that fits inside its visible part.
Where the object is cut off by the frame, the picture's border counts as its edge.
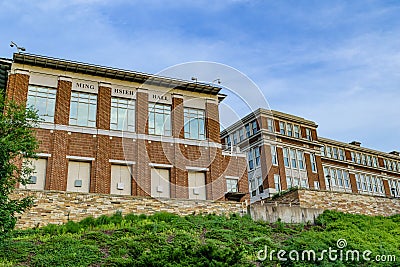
(165, 239)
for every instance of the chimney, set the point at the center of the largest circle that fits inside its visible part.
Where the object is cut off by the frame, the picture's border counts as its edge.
(355, 143)
(396, 153)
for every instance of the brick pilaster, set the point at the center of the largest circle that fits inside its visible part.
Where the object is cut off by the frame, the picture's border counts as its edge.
(63, 99)
(282, 172)
(353, 182)
(103, 107)
(59, 163)
(387, 188)
(212, 121)
(17, 88)
(143, 175)
(101, 180)
(320, 170)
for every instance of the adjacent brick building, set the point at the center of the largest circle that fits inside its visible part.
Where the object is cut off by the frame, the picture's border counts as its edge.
(284, 151)
(112, 131)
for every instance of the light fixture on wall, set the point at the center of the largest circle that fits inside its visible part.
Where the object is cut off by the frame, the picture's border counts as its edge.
(19, 48)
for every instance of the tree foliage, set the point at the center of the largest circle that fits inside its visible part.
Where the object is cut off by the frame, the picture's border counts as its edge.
(18, 146)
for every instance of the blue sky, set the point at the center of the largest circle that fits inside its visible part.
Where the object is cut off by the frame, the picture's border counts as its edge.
(334, 62)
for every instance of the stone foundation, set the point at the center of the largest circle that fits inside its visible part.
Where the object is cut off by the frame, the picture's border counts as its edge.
(58, 207)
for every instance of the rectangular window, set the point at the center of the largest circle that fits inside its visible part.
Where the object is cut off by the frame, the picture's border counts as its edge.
(296, 181)
(333, 177)
(228, 141)
(353, 157)
(304, 183)
(296, 130)
(335, 153)
(369, 160)
(293, 158)
(308, 134)
(270, 124)
(257, 155)
(260, 185)
(289, 129)
(346, 179)
(274, 156)
(374, 162)
(286, 157)
(328, 151)
(340, 178)
(160, 119)
(254, 127)
(358, 158)
(83, 109)
(289, 182)
(341, 154)
(363, 160)
(327, 178)
(358, 181)
(248, 130)
(232, 185)
(235, 138)
(241, 134)
(194, 124)
(282, 127)
(253, 188)
(300, 159)
(313, 163)
(250, 159)
(277, 181)
(316, 185)
(42, 99)
(323, 151)
(122, 114)
(389, 165)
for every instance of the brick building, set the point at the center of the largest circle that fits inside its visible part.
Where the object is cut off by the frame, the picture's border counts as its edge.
(284, 151)
(106, 130)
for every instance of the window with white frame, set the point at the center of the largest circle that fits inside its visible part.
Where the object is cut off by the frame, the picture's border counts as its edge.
(83, 109)
(394, 187)
(335, 153)
(254, 127)
(250, 159)
(270, 125)
(308, 134)
(159, 119)
(241, 134)
(341, 154)
(286, 157)
(232, 184)
(260, 185)
(253, 188)
(194, 128)
(257, 155)
(274, 155)
(300, 159)
(248, 131)
(235, 138)
(296, 130)
(282, 127)
(289, 129)
(323, 151)
(369, 184)
(293, 157)
(42, 99)
(277, 181)
(328, 152)
(122, 114)
(313, 163)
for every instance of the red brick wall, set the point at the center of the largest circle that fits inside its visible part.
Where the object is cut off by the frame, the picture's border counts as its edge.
(212, 122)
(63, 99)
(281, 164)
(103, 108)
(56, 177)
(17, 87)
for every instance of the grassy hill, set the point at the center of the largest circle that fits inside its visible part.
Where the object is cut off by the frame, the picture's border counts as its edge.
(169, 240)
